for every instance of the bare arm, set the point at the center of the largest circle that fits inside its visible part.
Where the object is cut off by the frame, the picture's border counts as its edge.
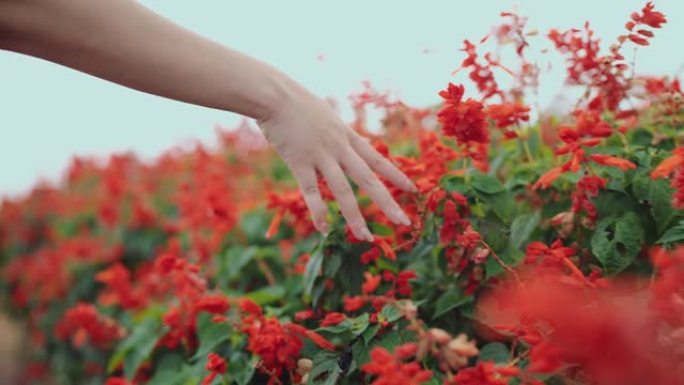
(122, 41)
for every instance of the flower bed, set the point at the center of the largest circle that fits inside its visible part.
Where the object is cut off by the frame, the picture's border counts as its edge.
(537, 253)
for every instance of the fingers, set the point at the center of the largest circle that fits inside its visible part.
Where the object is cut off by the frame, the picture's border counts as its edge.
(380, 164)
(308, 183)
(364, 177)
(345, 197)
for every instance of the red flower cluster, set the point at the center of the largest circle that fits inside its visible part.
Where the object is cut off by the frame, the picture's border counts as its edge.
(216, 366)
(390, 371)
(463, 120)
(83, 324)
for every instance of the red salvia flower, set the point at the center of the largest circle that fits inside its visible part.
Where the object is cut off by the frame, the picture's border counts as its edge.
(333, 318)
(216, 366)
(389, 371)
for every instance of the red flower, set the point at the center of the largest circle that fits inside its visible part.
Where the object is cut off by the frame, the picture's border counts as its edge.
(82, 323)
(354, 303)
(667, 166)
(484, 373)
(117, 381)
(389, 371)
(248, 306)
(214, 304)
(463, 120)
(548, 178)
(216, 366)
(508, 114)
(371, 284)
(333, 318)
(612, 161)
(277, 346)
(648, 16)
(304, 315)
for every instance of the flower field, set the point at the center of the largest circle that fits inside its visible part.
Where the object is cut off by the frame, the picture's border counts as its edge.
(538, 252)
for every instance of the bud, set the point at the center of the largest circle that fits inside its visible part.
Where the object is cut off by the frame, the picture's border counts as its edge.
(439, 336)
(457, 352)
(304, 366)
(462, 346)
(410, 310)
(479, 255)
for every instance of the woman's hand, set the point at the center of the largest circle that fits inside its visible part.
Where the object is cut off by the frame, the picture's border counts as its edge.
(309, 135)
(122, 41)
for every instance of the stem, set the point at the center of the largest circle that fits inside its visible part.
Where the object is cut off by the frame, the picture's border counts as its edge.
(503, 264)
(268, 273)
(528, 153)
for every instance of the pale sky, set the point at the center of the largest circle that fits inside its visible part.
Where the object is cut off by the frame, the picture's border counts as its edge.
(49, 113)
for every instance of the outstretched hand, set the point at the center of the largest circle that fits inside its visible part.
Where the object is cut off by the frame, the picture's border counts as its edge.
(309, 135)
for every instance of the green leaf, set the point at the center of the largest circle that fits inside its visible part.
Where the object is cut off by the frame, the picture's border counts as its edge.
(617, 241)
(673, 234)
(658, 194)
(455, 183)
(486, 183)
(522, 228)
(235, 259)
(451, 299)
(138, 346)
(242, 367)
(266, 295)
(210, 334)
(391, 313)
(495, 351)
(325, 369)
(360, 324)
(380, 229)
(313, 268)
(370, 333)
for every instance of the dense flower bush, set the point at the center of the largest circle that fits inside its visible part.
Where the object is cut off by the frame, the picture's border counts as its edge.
(538, 252)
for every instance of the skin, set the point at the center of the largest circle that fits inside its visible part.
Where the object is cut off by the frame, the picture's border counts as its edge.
(124, 42)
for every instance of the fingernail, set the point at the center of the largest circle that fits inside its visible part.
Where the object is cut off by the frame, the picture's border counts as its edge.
(402, 218)
(366, 234)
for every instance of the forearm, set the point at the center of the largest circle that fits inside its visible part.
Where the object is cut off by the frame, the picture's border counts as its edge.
(123, 42)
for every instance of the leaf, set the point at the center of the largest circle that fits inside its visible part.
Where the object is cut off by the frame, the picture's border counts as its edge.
(617, 241)
(454, 183)
(658, 194)
(494, 351)
(391, 313)
(236, 259)
(522, 228)
(673, 234)
(360, 324)
(169, 370)
(380, 229)
(242, 367)
(266, 295)
(451, 299)
(486, 183)
(210, 334)
(370, 333)
(313, 268)
(137, 347)
(332, 265)
(325, 370)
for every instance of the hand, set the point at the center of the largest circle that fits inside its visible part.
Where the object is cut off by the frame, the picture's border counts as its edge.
(309, 135)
